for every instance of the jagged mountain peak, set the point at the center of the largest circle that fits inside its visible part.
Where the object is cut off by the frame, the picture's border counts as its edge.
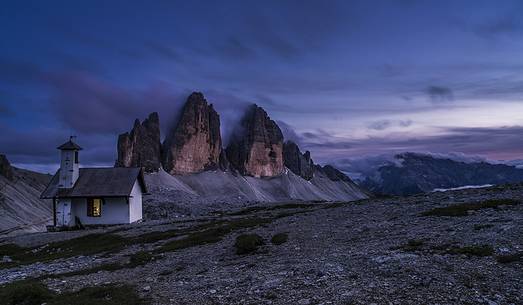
(5, 168)
(300, 164)
(141, 146)
(258, 149)
(194, 144)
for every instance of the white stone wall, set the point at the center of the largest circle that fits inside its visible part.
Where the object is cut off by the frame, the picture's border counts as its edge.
(114, 211)
(135, 202)
(69, 170)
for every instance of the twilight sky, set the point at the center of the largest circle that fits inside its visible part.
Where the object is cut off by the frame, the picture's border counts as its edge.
(343, 78)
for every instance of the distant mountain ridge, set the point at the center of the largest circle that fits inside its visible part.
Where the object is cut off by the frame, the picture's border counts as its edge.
(413, 173)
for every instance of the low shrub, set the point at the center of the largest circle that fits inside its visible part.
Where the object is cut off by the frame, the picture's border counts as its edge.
(25, 293)
(412, 245)
(509, 258)
(139, 259)
(476, 250)
(247, 243)
(279, 238)
(211, 235)
(478, 227)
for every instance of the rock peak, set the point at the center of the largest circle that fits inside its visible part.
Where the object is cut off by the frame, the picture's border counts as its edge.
(258, 150)
(141, 147)
(194, 144)
(298, 163)
(5, 168)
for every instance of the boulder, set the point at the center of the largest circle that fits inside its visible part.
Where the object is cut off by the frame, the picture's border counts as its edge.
(141, 147)
(195, 143)
(256, 148)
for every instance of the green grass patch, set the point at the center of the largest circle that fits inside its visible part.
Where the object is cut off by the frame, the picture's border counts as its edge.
(137, 259)
(25, 293)
(285, 206)
(509, 258)
(85, 245)
(279, 238)
(35, 293)
(412, 245)
(463, 209)
(479, 227)
(247, 243)
(476, 250)
(212, 235)
(205, 233)
(103, 267)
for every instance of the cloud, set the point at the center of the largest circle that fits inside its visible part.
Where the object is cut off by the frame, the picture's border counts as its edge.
(438, 94)
(90, 105)
(360, 168)
(164, 51)
(493, 143)
(289, 133)
(386, 124)
(97, 42)
(18, 72)
(33, 148)
(4, 110)
(508, 24)
(235, 48)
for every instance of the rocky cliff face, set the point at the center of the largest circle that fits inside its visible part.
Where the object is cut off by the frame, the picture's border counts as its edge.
(141, 147)
(298, 163)
(195, 143)
(258, 149)
(5, 168)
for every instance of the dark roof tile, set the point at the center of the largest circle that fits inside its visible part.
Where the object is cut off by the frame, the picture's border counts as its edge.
(98, 182)
(69, 145)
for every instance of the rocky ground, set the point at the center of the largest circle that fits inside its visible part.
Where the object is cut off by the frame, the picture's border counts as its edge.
(374, 251)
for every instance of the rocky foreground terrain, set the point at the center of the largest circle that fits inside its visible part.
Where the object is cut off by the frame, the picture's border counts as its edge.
(460, 247)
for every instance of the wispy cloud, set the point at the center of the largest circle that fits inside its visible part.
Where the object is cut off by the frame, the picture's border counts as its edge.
(386, 124)
(439, 94)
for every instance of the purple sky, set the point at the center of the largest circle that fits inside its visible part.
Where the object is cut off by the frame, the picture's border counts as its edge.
(344, 78)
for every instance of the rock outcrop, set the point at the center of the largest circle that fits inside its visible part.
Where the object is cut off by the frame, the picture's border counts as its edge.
(141, 147)
(5, 168)
(258, 149)
(224, 163)
(195, 143)
(298, 163)
(332, 173)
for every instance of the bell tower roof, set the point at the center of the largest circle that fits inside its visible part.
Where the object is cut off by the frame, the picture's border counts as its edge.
(69, 145)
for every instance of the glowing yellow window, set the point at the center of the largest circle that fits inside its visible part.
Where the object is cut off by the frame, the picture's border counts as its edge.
(94, 207)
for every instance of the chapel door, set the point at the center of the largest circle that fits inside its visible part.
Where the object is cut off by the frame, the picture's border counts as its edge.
(63, 213)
